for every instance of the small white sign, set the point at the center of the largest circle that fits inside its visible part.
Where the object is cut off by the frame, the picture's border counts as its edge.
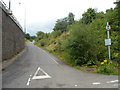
(108, 41)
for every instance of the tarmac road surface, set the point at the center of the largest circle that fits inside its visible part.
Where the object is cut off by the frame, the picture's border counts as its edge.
(37, 68)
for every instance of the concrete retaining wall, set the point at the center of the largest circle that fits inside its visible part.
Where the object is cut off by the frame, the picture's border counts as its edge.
(12, 35)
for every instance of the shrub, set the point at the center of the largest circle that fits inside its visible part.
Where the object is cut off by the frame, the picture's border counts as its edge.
(82, 45)
(42, 43)
(56, 33)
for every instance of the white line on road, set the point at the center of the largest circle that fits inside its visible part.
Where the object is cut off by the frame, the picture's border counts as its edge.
(96, 83)
(76, 85)
(36, 71)
(28, 83)
(116, 85)
(115, 81)
(42, 76)
(51, 57)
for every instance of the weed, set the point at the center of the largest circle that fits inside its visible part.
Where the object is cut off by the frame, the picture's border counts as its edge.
(107, 67)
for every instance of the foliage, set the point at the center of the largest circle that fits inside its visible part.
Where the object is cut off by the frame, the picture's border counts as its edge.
(71, 18)
(82, 42)
(30, 38)
(27, 36)
(85, 44)
(88, 16)
(33, 38)
(107, 67)
(56, 33)
(42, 43)
(61, 24)
(40, 35)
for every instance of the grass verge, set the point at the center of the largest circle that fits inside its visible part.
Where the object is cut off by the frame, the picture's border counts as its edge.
(107, 68)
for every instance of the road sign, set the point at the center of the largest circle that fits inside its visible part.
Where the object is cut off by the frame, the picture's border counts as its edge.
(108, 41)
(108, 27)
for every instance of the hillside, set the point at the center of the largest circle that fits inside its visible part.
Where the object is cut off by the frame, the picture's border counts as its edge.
(81, 43)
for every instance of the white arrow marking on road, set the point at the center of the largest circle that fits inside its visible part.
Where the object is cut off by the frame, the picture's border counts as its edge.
(75, 85)
(113, 81)
(28, 83)
(42, 76)
(96, 83)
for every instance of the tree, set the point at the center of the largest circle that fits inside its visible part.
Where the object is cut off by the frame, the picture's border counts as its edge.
(113, 17)
(27, 36)
(40, 35)
(71, 18)
(118, 5)
(117, 8)
(88, 16)
(33, 37)
(61, 24)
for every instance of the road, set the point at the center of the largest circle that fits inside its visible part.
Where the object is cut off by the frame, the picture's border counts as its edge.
(36, 68)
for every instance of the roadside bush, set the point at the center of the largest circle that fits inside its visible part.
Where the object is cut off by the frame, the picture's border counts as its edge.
(107, 67)
(56, 33)
(85, 45)
(42, 43)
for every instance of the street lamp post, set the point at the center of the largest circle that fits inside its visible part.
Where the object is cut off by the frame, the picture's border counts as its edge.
(25, 21)
(9, 4)
(9, 12)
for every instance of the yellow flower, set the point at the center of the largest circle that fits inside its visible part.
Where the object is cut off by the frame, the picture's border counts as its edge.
(105, 61)
(102, 62)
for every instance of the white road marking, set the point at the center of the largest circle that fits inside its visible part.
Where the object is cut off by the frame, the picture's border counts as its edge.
(28, 83)
(75, 85)
(42, 76)
(115, 81)
(54, 60)
(116, 85)
(96, 83)
(51, 57)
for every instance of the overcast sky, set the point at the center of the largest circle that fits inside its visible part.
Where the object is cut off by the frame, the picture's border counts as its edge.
(40, 13)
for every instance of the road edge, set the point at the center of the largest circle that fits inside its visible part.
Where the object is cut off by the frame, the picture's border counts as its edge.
(5, 64)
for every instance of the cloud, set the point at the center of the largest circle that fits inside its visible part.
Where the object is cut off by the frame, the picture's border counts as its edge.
(46, 27)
